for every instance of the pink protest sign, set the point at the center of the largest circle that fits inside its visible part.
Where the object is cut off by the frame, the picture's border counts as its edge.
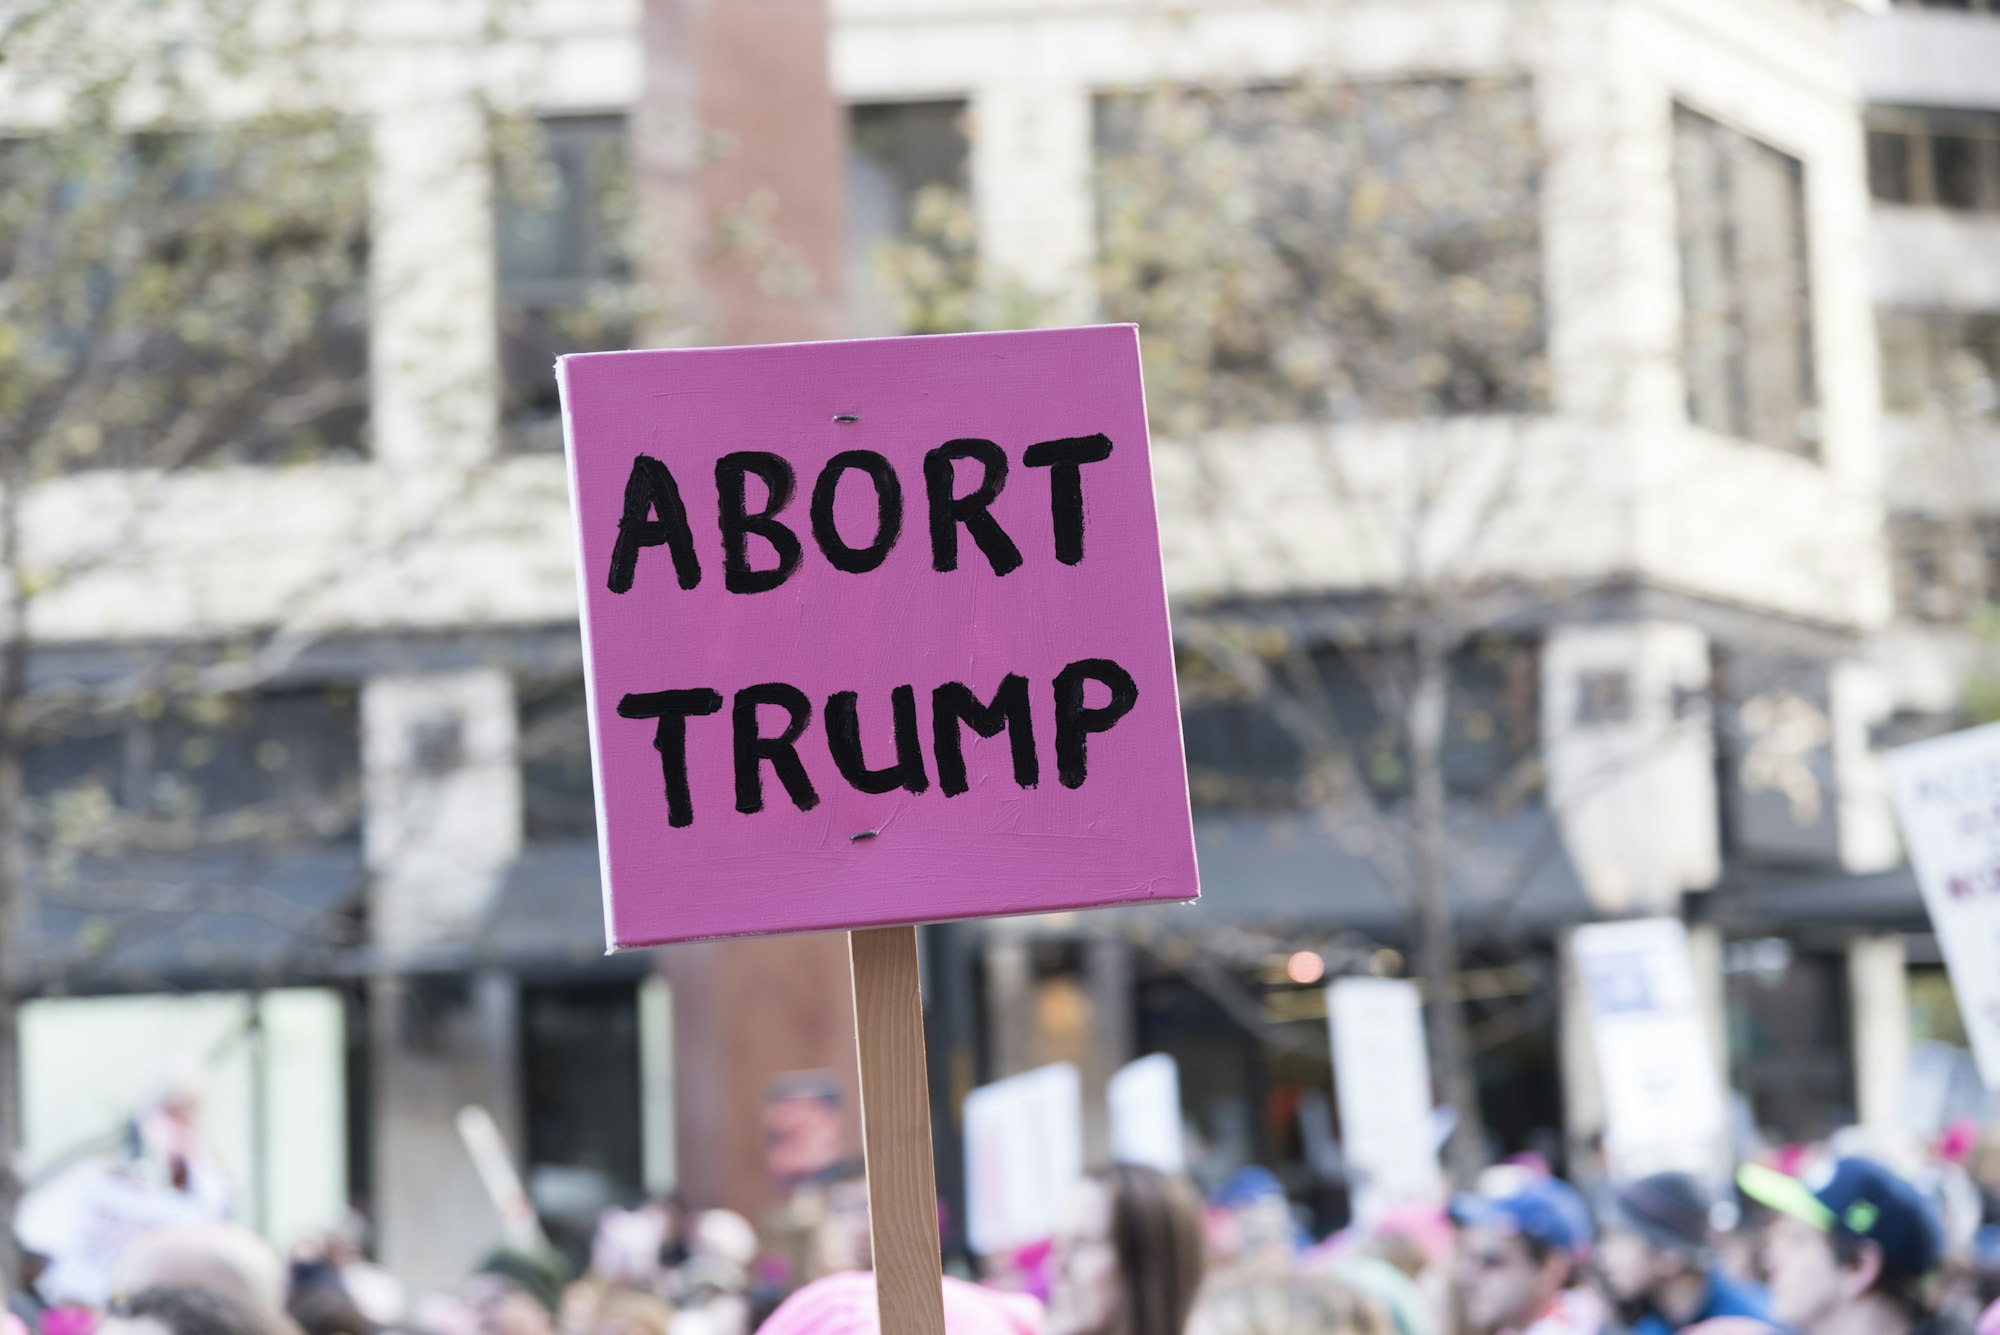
(876, 633)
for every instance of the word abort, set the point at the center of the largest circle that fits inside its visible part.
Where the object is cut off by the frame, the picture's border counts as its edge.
(656, 516)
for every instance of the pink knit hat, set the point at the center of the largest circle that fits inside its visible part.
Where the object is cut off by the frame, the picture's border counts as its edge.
(845, 1305)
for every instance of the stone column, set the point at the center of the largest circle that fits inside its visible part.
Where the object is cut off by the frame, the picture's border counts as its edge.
(442, 820)
(1879, 1002)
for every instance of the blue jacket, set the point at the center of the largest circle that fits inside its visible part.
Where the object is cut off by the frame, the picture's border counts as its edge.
(1727, 1296)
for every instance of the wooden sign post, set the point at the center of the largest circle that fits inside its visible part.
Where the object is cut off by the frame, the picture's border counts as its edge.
(876, 634)
(896, 1129)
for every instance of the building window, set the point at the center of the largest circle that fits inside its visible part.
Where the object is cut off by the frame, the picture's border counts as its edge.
(580, 1073)
(563, 206)
(276, 768)
(558, 800)
(1944, 568)
(1603, 698)
(1935, 157)
(1326, 251)
(1789, 1044)
(1747, 332)
(1326, 711)
(184, 299)
(1942, 362)
(909, 177)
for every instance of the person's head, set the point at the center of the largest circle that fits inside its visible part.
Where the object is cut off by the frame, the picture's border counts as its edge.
(1857, 1236)
(181, 1309)
(1287, 1305)
(1655, 1231)
(517, 1292)
(1127, 1256)
(623, 1311)
(842, 1241)
(1519, 1252)
(845, 1305)
(324, 1308)
(224, 1259)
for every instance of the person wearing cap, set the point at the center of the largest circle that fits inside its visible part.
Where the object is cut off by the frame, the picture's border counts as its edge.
(1521, 1259)
(517, 1292)
(1653, 1255)
(1849, 1250)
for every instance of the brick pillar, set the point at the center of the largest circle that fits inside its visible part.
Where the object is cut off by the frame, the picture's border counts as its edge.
(741, 152)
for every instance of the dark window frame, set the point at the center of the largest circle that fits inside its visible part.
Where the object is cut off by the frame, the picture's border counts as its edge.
(1952, 6)
(591, 256)
(1904, 150)
(1742, 380)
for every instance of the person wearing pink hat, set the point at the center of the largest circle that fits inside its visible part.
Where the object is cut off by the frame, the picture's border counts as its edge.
(844, 1304)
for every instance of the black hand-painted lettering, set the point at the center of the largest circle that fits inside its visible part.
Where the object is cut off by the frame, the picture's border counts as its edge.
(782, 751)
(888, 511)
(843, 739)
(738, 522)
(954, 703)
(650, 489)
(673, 709)
(948, 511)
(1065, 459)
(1075, 721)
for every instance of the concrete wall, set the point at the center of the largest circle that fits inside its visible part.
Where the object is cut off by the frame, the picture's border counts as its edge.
(1635, 796)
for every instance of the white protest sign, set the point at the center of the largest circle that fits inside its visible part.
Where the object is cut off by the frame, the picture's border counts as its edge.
(495, 1167)
(1384, 1080)
(85, 1219)
(1663, 1099)
(1144, 1103)
(1947, 797)
(1023, 1151)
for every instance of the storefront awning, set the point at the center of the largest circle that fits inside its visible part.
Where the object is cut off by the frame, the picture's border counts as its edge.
(1507, 874)
(212, 919)
(1753, 900)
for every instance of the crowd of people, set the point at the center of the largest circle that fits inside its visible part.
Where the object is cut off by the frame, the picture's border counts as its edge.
(1833, 1242)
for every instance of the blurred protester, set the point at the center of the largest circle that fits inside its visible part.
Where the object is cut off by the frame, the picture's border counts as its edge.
(1391, 1287)
(224, 1259)
(1521, 1259)
(1250, 1225)
(1849, 1255)
(517, 1292)
(172, 1147)
(171, 1309)
(712, 1285)
(1654, 1256)
(1127, 1258)
(379, 1294)
(822, 1228)
(628, 1246)
(612, 1310)
(845, 1305)
(1287, 1305)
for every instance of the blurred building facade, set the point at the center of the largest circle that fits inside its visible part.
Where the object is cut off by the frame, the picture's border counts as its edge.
(1679, 715)
(1933, 133)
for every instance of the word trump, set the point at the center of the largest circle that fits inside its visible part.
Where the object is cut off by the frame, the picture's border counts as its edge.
(656, 516)
(953, 706)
